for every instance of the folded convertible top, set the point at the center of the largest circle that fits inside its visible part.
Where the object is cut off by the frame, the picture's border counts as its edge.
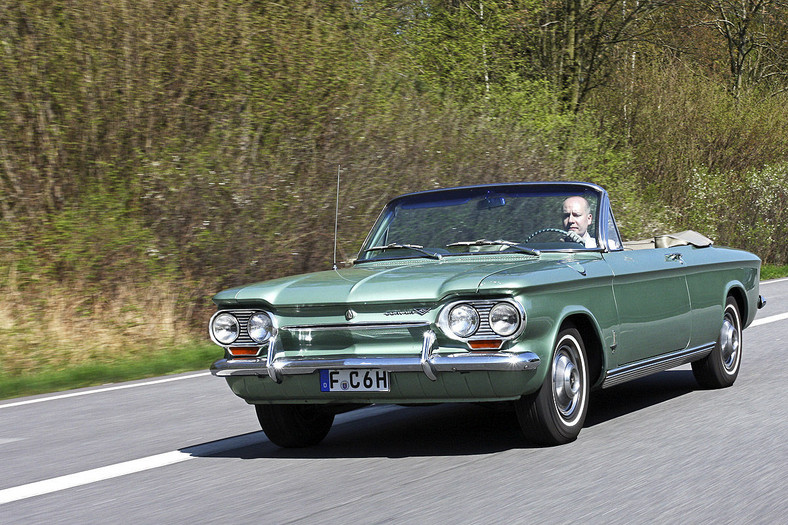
(668, 240)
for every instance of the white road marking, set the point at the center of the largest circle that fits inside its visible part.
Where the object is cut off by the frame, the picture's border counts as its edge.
(774, 281)
(90, 476)
(100, 390)
(86, 477)
(3, 441)
(48, 486)
(770, 319)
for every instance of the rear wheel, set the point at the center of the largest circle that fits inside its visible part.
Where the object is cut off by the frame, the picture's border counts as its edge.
(555, 414)
(295, 426)
(720, 368)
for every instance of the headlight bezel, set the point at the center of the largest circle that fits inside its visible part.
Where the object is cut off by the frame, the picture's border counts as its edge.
(232, 321)
(243, 339)
(512, 310)
(463, 312)
(484, 332)
(270, 331)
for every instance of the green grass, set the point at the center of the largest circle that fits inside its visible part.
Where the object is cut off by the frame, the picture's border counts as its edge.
(172, 361)
(771, 271)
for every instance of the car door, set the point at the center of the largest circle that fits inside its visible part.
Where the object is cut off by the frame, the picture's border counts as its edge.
(653, 303)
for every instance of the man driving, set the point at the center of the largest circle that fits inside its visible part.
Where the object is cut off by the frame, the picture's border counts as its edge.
(577, 217)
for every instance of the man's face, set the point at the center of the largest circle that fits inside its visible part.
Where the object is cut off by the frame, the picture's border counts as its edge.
(577, 215)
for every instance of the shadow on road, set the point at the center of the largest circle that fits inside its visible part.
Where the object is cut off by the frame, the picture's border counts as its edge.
(440, 430)
(450, 429)
(637, 395)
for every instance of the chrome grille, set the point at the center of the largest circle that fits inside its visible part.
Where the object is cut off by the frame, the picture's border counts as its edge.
(484, 331)
(243, 321)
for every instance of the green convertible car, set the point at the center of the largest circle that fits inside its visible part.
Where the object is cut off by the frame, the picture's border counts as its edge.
(518, 292)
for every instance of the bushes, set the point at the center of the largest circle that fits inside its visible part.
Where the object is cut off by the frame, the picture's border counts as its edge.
(746, 210)
(705, 160)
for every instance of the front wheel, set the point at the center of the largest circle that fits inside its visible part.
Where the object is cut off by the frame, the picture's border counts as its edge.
(555, 414)
(720, 368)
(295, 426)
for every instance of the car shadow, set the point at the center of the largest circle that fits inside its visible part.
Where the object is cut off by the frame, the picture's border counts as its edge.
(448, 429)
(627, 398)
(403, 432)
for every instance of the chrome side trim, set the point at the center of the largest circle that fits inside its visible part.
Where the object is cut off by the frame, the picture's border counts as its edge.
(761, 302)
(656, 364)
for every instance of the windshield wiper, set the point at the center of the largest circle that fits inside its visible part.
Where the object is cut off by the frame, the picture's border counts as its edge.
(414, 247)
(500, 242)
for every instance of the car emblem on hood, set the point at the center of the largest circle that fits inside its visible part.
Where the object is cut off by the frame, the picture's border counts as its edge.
(409, 311)
(350, 314)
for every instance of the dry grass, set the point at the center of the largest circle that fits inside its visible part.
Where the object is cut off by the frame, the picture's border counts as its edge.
(51, 326)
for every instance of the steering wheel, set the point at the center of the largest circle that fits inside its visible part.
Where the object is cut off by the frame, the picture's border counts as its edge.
(574, 237)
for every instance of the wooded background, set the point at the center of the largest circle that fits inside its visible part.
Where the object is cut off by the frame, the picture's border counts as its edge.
(153, 152)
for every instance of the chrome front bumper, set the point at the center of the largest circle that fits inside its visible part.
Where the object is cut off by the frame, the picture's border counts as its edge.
(428, 363)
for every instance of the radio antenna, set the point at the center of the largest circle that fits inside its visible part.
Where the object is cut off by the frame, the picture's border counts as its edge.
(336, 218)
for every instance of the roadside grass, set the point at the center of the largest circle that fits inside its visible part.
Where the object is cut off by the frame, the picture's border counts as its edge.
(771, 271)
(198, 356)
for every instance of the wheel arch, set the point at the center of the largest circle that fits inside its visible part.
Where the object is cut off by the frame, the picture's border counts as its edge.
(592, 341)
(736, 290)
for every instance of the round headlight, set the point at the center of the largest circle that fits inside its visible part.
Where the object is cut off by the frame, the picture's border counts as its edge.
(463, 320)
(504, 319)
(225, 328)
(260, 327)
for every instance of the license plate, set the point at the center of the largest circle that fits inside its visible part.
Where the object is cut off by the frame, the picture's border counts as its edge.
(354, 380)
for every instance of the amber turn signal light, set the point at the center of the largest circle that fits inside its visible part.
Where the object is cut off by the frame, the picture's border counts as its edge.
(244, 350)
(485, 344)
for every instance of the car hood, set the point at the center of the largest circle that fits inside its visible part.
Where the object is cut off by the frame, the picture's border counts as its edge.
(426, 281)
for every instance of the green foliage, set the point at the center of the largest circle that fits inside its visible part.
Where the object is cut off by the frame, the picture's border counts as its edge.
(746, 210)
(461, 50)
(680, 130)
(772, 271)
(680, 122)
(95, 241)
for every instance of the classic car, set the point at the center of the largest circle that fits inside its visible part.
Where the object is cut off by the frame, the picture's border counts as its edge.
(522, 293)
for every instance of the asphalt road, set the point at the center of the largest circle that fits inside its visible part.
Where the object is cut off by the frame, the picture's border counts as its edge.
(185, 449)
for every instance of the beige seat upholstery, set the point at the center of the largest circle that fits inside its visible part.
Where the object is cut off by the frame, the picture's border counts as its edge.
(669, 240)
(639, 245)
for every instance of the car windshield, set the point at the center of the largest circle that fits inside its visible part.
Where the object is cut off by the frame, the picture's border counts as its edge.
(510, 218)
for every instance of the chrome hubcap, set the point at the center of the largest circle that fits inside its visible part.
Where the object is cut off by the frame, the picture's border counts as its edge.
(567, 382)
(730, 342)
